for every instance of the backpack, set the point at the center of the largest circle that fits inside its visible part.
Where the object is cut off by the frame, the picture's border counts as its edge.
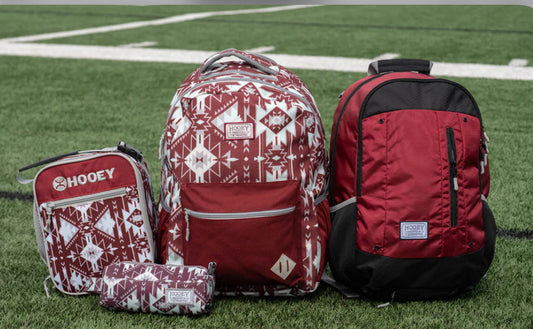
(91, 209)
(410, 178)
(244, 177)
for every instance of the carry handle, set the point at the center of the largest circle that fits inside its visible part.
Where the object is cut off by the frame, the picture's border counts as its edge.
(131, 151)
(400, 65)
(40, 163)
(123, 147)
(239, 54)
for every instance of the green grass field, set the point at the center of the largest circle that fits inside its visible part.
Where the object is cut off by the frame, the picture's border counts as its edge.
(50, 106)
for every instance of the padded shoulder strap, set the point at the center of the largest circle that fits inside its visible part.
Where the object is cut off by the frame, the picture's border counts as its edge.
(345, 290)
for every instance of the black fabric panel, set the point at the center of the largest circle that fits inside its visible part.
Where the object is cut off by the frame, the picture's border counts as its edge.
(415, 279)
(438, 94)
(342, 242)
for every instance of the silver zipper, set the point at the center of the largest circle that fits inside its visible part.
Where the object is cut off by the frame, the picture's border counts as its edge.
(71, 202)
(233, 215)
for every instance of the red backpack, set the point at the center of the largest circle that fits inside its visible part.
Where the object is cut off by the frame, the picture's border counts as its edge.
(410, 177)
(243, 177)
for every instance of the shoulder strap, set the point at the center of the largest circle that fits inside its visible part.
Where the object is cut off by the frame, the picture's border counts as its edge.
(343, 289)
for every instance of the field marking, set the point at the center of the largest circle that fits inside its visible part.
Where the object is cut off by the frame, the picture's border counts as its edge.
(261, 49)
(155, 22)
(19, 46)
(386, 56)
(325, 63)
(518, 62)
(139, 44)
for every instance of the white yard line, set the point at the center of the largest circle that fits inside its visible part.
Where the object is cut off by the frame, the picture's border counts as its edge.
(139, 44)
(341, 64)
(386, 56)
(261, 49)
(518, 62)
(21, 46)
(162, 21)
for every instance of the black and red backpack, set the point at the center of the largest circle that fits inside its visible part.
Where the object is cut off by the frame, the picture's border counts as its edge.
(410, 178)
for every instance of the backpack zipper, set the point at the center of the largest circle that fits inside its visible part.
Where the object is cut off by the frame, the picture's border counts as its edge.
(71, 202)
(454, 186)
(233, 215)
(224, 79)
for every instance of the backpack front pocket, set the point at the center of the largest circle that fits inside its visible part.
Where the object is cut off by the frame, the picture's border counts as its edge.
(249, 229)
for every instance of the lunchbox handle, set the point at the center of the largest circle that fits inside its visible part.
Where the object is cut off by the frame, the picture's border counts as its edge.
(123, 147)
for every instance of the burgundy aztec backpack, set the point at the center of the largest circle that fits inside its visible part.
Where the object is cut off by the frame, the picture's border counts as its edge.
(410, 178)
(244, 172)
(91, 209)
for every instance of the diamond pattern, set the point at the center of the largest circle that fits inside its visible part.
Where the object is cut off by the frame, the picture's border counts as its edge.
(200, 160)
(283, 267)
(276, 120)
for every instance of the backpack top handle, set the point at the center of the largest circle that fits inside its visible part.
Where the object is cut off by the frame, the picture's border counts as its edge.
(400, 65)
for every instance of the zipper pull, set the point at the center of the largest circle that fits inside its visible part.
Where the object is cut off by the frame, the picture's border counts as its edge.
(454, 174)
(211, 268)
(48, 217)
(486, 143)
(187, 232)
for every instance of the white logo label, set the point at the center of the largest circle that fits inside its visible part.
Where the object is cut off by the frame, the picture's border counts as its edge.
(61, 183)
(283, 267)
(180, 296)
(413, 230)
(239, 130)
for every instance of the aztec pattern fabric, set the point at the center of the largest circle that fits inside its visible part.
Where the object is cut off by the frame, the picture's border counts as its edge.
(409, 166)
(90, 210)
(155, 288)
(244, 172)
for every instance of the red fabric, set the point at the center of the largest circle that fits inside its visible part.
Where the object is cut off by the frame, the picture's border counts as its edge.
(122, 175)
(405, 177)
(346, 155)
(324, 226)
(245, 249)
(231, 197)
(163, 235)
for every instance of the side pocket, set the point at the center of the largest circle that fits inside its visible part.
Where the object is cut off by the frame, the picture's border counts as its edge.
(489, 225)
(324, 231)
(343, 240)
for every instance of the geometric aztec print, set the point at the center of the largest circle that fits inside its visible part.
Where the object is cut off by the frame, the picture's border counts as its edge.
(280, 138)
(83, 238)
(152, 288)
